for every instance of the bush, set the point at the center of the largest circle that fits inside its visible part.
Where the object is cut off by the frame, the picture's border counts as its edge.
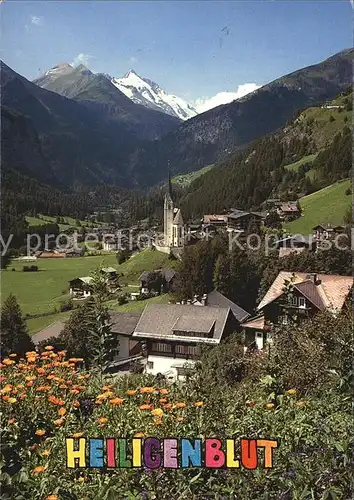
(122, 299)
(66, 305)
(29, 269)
(348, 191)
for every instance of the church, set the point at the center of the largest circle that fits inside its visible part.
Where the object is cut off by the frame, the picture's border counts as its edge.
(173, 225)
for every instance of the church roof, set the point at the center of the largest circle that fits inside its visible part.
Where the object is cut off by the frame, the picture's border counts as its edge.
(178, 219)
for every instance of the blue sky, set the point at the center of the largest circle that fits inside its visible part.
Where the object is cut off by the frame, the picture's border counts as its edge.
(193, 49)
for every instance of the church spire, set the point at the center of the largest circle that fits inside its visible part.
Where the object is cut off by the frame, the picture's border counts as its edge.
(169, 180)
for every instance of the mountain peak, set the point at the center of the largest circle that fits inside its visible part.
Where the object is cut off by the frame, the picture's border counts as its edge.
(63, 67)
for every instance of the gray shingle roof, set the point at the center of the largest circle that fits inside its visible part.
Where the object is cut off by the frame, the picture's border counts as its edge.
(216, 298)
(123, 323)
(52, 330)
(159, 320)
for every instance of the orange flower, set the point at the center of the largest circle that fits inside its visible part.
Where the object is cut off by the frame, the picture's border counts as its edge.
(49, 348)
(40, 370)
(40, 432)
(168, 406)
(52, 497)
(77, 434)
(164, 391)
(180, 405)
(63, 386)
(198, 404)
(30, 378)
(139, 435)
(59, 422)
(270, 406)
(162, 400)
(20, 386)
(74, 391)
(45, 453)
(102, 420)
(157, 412)
(6, 397)
(30, 383)
(43, 388)
(250, 403)
(6, 389)
(131, 392)
(147, 389)
(107, 388)
(12, 421)
(291, 392)
(116, 401)
(145, 407)
(8, 362)
(31, 360)
(39, 469)
(76, 404)
(22, 396)
(104, 395)
(157, 421)
(62, 411)
(179, 419)
(56, 401)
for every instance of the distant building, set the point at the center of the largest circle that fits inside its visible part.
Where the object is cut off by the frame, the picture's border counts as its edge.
(81, 288)
(158, 281)
(295, 244)
(241, 220)
(289, 210)
(327, 231)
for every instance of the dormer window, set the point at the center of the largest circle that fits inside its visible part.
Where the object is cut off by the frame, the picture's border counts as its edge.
(302, 303)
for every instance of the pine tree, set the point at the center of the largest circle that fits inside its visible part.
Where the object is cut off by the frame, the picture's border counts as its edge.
(14, 334)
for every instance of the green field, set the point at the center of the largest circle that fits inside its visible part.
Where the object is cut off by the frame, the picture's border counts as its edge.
(41, 292)
(325, 206)
(306, 159)
(184, 180)
(69, 222)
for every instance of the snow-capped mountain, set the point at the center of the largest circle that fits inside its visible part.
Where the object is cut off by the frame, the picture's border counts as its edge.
(149, 94)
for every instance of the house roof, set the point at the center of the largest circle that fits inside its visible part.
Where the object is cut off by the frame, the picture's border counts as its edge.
(124, 323)
(168, 274)
(285, 251)
(52, 330)
(215, 298)
(178, 219)
(289, 207)
(309, 290)
(159, 320)
(331, 288)
(87, 280)
(207, 219)
(257, 323)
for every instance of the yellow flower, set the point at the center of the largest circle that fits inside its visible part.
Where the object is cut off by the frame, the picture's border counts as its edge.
(7, 388)
(157, 412)
(198, 404)
(300, 403)
(12, 400)
(102, 420)
(62, 411)
(107, 388)
(8, 362)
(131, 392)
(146, 389)
(157, 421)
(39, 469)
(77, 434)
(59, 422)
(291, 392)
(179, 419)
(139, 435)
(45, 453)
(270, 406)
(40, 432)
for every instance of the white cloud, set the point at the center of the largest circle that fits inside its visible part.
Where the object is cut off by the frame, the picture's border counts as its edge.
(81, 59)
(37, 21)
(133, 60)
(206, 103)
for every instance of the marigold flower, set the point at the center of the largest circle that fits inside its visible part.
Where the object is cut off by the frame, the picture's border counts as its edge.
(30, 383)
(300, 403)
(157, 421)
(31, 360)
(102, 420)
(250, 403)
(12, 421)
(6, 389)
(49, 348)
(180, 405)
(131, 392)
(116, 401)
(164, 391)
(198, 404)
(168, 406)
(76, 404)
(139, 435)
(77, 434)
(270, 406)
(147, 389)
(45, 453)
(62, 411)
(52, 497)
(106, 388)
(8, 362)
(30, 378)
(163, 400)
(179, 419)
(39, 469)
(74, 391)
(6, 397)
(59, 422)
(145, 407)
(43, 388)
(40, 432)
(40, 370)
(63, 386)
(291, 392)
(12, 400)
(157, 412)
(20, 386)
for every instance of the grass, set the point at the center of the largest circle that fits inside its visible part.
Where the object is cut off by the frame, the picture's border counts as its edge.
(296, 165)
(327, 205)
(42, 292)
(138, 305)
(69, 222)
(184, 180)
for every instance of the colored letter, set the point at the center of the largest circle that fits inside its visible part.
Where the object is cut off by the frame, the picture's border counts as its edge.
(268, 446)
(214, 456)
(191, 454)
(96, 452)
(123, 461)
(151, 459)
(231, 462)
(136, 452)
(170, 453)
(249, 458)
(111, 455)
(73, 455)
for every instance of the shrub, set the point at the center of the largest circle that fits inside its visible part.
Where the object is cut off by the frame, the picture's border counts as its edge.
(66, 305)
(122, 299)
(28, 269)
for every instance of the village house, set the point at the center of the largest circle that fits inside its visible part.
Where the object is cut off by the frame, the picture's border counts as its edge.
(81, 288)
(173, 334)
(295, 244)
(295, 296)
(215, 221)
(323, 232)
(289, 211)
(158, 281)
(241, 220)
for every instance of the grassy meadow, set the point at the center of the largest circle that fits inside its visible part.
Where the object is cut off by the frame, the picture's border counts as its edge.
(42, 292)
(328, 205)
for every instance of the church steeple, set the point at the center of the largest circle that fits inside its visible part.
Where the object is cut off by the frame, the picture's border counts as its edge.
(170, 192)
